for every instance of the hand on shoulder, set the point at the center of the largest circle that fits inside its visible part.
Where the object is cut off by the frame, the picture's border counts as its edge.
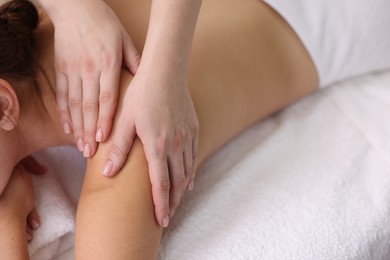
(90, 45)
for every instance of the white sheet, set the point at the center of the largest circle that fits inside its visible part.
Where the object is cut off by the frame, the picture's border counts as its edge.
(312, 182)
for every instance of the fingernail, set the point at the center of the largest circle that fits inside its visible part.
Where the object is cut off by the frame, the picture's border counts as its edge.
(66, 128)
(80, 144)
(172, 213)
(28, 237)
(99, 135)
(34, 224)
(191, 185)
(107, 168)
(166, 222)
(87, 150)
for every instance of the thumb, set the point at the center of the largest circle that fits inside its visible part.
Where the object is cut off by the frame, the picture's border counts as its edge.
(131, 56)
(122, 141)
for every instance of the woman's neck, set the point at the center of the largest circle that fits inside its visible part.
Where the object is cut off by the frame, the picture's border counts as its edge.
(42, 126)
(39, 123)
(39, 126)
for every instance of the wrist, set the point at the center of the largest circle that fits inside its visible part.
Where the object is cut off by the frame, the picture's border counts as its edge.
(59, 9)
(163, 77)
(164, 69)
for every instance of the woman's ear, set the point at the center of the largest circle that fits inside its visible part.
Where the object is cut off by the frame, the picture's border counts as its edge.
(9, 106)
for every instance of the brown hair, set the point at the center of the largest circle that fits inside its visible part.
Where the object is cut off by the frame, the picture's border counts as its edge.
(18, 54)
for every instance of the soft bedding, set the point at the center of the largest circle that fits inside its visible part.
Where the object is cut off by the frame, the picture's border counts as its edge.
(311, 182)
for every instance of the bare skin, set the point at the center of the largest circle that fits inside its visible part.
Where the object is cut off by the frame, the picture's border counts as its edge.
(246, 64)
(16, 204)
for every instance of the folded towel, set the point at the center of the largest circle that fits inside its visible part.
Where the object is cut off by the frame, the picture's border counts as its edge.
(57, 216)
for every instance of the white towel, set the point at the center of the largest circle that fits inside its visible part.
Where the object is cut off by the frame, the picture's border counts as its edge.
(312, 182)
(57, 214)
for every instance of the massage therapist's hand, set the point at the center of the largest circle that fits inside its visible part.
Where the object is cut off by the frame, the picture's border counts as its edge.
(17, 201)
(89, 43)
(159, 110)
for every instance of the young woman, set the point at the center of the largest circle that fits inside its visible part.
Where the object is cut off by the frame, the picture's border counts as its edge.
(246, 64)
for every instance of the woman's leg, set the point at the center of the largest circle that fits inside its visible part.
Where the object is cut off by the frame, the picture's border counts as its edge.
(246, 64)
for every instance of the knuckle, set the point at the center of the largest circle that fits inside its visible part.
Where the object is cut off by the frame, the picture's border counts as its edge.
(88, 65)
(61, 94)
(177, 143)
(106, 97)
(179, 183)
(164, 185)
(108, 60)
(188, 135)
(74, 102)
(117, 151)
(161, 145)
(89, 106)
(60, 64)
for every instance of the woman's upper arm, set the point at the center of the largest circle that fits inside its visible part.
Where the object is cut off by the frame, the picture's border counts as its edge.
(115, 218)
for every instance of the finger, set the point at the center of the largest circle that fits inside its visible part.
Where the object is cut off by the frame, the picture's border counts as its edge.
(177, 179)
(34, 220)
(194, 156)
(188, 161)
(62, 101)
(90, 110)
(130, 54)
(122, 141)
(29, 234)
(108, 99)
(195, 143)
(159, 177)
(34, 166)
(75, 99)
